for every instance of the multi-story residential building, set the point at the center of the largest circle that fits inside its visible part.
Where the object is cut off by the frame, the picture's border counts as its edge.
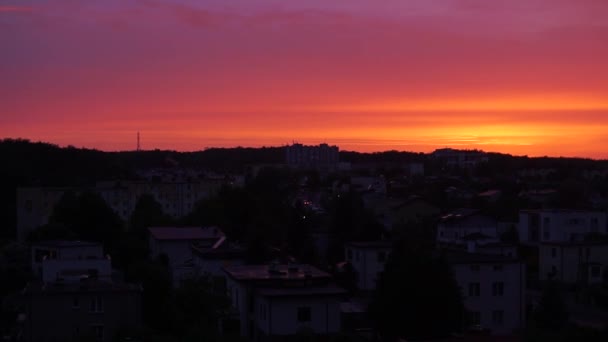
(493, 289)
(368, 260)
(35, 207)
(73, 310)
(76, 297)
(176, 244)
(456, 227)
(177, 199)
(459, 158)
(322, 156)
(275, 302)
(555, 226)
(582, 262)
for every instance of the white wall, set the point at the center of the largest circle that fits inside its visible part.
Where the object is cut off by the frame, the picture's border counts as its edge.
(52, 268)
(566, 260)
(366, 264)
(562, 226)
(282, 315)
(511, 302)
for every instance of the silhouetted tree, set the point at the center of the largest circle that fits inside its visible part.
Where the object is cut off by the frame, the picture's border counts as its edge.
(416, 297)
(552, 313)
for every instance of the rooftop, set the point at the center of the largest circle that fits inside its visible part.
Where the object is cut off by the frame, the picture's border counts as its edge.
(370, 244)
(463, 257)
(263, 272)
(66, 244)
(301, 291)
(85, 285)
(185, 233)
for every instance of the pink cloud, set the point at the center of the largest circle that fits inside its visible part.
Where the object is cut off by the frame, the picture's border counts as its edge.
(6, 8)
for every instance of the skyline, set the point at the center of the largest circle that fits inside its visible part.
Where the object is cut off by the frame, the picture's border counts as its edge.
(525, 78)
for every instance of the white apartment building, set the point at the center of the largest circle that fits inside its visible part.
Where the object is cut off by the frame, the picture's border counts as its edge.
(554, 226)
(581, 262)
(368, 260)
(493, 289)
(279, 301)
(177, 199)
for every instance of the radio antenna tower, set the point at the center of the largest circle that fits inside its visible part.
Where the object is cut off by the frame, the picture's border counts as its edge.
(138, 145)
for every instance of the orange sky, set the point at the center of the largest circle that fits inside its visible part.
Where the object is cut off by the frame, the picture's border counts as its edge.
(523, 77)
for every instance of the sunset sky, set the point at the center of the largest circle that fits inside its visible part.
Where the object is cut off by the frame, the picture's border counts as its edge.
(522, 77)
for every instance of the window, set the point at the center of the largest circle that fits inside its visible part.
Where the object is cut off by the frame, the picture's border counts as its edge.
(474, 290)
(263, 312)
(497, 268)
(304, 314)
(96, 304)
(75, 303)
(498, 317)
(475, 317)
(475, 268)
(595, 271)
(357, 255)
(553, 252)
(573, 221)
(546, 233)
(594, 224)
(28, 206)
(349, 254)
(97, 331)
(381, 256)
(498, 289)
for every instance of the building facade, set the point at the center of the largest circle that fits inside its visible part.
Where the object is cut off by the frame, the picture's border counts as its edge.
(280, 302)
(368, 260)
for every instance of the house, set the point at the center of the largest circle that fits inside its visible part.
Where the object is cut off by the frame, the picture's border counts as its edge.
(490, 196)
(493, 290)
(367, 260)
(76, 297)
(559, 225)
(414, 210)
(275, 302)
(455, 227)
(581, 262)
(72, 310)
(60, 259)
(175, 243)
(210, 261)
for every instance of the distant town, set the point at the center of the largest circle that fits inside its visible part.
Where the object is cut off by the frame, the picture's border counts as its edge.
(300, 243)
